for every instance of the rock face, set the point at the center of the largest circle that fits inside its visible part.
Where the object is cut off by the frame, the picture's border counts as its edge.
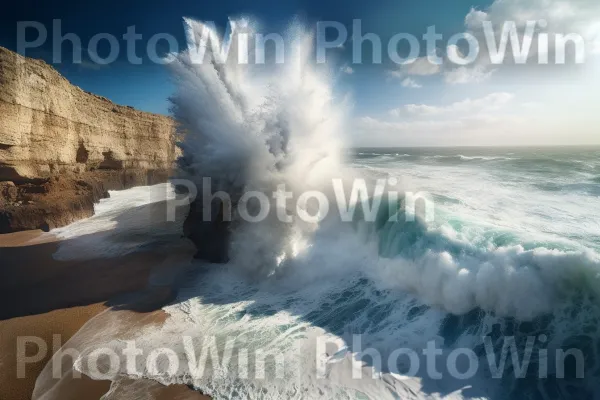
(211, 236)
(62, 149)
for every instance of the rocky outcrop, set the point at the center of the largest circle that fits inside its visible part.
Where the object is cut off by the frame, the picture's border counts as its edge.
(211, 236)
(62, 149)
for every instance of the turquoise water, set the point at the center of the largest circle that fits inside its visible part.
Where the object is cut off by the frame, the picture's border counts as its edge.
(544, 196)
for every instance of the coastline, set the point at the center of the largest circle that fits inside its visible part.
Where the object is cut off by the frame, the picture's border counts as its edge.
(51, 299)
(63, 322)
(25, 238)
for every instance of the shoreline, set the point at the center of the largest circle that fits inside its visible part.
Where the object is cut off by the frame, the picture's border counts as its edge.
(48, 299)
(26, 238)
(62, 322)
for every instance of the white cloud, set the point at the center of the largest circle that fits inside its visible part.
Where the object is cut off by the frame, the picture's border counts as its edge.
(416, 67)
(476, 130)
(421, 66)
(502, 128)
(566, 17)
(374, 124)
(347, 70)
(454, 52)
(499, 118)
(562, 16)
(420, 109)
(475, 18)
(411, 83)
(483, 105)
(462, 75)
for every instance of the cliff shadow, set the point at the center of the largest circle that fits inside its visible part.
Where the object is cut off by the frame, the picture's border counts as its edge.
(123, 267)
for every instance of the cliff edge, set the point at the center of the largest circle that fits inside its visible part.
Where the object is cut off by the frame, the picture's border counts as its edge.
(62, 149)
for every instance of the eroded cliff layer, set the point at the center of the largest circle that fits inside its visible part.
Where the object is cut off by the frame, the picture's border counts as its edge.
(62, 149)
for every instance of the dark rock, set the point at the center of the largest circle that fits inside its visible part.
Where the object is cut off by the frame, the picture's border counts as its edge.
(8, 192)
(210, 235)
(62, 200)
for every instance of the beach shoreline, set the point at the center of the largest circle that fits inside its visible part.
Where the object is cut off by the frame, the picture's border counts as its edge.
(52, 300)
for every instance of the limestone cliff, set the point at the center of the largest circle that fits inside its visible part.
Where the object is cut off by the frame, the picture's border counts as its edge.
(62, 149)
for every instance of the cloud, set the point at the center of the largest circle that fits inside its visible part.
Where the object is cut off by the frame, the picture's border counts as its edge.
(421, 66)
(499, 128)
(411, 83)
(499, 118)
(416, 67)
(347, 70)
(483, 105)
(377, 125)
(566, 17)
(481, 120)
(479, 129)
(562, 15)
(475, 19)
(462, 75)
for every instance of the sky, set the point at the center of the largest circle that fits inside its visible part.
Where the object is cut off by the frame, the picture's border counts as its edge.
(417, 104)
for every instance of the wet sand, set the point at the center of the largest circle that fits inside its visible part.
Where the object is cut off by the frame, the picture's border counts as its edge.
(48, 299)
(65, 323)
(25, 238)
(33, 282)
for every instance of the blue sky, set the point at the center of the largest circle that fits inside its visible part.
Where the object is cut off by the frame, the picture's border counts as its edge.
(147, 85)
(386, 98)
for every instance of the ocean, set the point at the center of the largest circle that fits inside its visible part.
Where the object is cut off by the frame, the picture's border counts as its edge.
(530, 196)
(510, 257)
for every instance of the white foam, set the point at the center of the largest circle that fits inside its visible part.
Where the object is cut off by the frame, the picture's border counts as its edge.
(123, 223)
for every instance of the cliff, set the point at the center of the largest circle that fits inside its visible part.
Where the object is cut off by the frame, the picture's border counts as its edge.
(62, 149)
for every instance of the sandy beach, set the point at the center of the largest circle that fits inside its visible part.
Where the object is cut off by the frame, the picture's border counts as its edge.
(50, 299)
